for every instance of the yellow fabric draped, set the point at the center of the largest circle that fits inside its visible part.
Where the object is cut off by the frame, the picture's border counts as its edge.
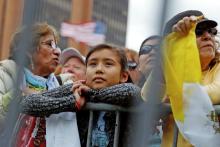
(181, 64)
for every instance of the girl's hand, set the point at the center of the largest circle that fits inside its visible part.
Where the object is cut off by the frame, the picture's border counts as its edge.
(78, 89)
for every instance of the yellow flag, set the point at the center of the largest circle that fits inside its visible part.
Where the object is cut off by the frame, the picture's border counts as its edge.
(181, 64)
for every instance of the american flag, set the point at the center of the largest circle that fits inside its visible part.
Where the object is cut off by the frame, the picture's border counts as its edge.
(91, 33)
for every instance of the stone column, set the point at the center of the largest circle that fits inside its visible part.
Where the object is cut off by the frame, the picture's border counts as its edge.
(81, 13)
(11, 12)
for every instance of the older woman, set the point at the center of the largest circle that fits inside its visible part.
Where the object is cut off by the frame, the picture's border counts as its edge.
(206, 42)
(42, 59)
(209, 56)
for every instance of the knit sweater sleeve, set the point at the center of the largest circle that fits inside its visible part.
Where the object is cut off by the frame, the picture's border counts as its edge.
(61, 99)
(126, 94)
(49, 102)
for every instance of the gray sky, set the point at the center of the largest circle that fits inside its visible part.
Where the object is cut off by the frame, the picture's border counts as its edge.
(143, 19)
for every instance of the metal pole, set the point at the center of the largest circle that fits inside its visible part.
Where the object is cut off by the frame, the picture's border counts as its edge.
(117, 129)
(89, 129)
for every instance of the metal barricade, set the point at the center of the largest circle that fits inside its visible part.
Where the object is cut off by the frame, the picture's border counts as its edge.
(117, 109)
(105, 107)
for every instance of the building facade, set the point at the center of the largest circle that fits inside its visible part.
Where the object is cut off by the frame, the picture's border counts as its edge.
(113, 13)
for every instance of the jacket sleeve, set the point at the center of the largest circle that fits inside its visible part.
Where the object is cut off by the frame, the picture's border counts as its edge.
(6, 89)
(53, 101)
(126, 94)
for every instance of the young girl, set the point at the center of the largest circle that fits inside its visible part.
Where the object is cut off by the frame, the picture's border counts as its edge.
(106, 66)
(106, 71)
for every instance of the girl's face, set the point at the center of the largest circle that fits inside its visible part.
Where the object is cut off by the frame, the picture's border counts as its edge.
(104, 70)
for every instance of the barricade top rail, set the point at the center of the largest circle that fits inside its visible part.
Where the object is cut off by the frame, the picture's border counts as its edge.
(164, 108)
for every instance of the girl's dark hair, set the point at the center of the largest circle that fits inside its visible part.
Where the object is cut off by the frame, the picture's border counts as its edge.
(119, 52)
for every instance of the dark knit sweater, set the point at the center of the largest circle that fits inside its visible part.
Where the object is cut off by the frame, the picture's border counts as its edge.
(61, 99)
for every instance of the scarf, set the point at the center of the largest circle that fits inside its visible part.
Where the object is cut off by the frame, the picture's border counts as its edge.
(35, 131)
(61, 129)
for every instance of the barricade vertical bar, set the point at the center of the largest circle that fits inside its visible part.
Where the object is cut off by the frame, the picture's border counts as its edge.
(117, 129)
(175, 135)
(89, 129)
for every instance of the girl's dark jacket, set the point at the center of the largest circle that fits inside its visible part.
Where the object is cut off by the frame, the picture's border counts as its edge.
(61, 99)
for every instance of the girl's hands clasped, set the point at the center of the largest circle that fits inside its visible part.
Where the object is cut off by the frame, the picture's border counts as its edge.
(78, 89)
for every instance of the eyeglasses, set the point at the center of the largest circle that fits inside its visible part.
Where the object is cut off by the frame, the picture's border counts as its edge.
(131, 65)
(145, 49)
(211, 31)
(50, 43)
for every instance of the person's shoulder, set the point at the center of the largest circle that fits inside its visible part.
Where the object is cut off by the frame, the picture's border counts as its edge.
(214, 71)
(216, 67)
(7, 63)
(8, 67)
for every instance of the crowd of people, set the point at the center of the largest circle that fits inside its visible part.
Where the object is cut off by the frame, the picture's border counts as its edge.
(52, 100)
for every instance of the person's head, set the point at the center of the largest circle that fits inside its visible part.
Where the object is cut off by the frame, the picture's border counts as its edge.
(151, 42)
(149, 45)
(206, 42)
(40, 43)
(132, 58)
(205, 36)
(148, 53)
(73, 62)
(105, 66)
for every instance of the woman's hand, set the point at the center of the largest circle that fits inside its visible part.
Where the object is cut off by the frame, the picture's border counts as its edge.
(78, 89)
(67, 78)
(184, 25)
(147, 63)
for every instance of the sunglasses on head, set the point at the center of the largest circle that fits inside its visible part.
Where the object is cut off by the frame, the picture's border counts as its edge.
(145, 49)
(131, 65)
(211, 31)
